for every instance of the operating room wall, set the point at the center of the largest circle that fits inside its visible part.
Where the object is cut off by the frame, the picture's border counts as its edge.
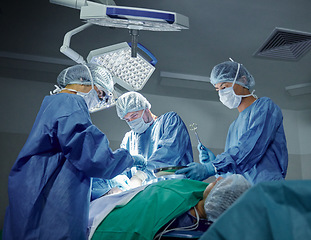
(304, 129)
(20, 101)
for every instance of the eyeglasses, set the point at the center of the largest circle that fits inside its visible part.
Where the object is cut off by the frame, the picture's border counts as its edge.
(101, 94)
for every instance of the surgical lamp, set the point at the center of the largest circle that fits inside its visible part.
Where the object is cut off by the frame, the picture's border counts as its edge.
(130, 69)
(130, 73)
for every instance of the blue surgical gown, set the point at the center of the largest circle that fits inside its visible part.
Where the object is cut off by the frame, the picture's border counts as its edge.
(165, 143)
(256, 144)
(49, 184)
(278, 210)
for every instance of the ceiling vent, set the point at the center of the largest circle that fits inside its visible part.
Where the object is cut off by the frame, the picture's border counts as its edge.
(285, 44)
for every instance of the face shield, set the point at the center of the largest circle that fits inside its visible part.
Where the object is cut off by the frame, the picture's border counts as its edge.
(106, 99)
(102, 79)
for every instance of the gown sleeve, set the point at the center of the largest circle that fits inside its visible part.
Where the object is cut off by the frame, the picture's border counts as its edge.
(262, 126)
(87, 148)
(173, 144)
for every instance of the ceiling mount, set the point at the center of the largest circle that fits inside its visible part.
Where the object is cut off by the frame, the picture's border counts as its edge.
(134, 19)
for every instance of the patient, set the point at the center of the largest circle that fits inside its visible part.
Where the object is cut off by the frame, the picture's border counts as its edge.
(170, 204)
(217, 197)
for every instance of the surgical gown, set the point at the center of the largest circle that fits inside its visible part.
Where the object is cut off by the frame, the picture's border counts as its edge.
(49, 184)
(278, 210)
(165, 143)
(256, 144)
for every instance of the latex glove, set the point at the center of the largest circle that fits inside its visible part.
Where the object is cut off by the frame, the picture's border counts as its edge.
(205, 155)
(140, 162)
(121, 181)
(198, 171)
(138, 179)
(114, 190)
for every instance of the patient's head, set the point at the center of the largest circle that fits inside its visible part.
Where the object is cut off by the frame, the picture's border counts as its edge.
(222, 193)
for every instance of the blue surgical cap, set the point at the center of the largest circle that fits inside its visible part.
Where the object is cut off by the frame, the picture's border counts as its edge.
(226, 71)
(224, 194)
(131, 102)
(80, 74)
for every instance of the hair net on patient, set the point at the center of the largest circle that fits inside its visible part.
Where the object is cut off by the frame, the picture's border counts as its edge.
(80, 74)
(223, 195)
(226, 71)
(131, 102)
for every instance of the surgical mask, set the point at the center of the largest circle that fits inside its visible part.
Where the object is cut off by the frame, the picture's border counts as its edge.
(138, 125)
(91, 98)
(228, 97)
(93, 102)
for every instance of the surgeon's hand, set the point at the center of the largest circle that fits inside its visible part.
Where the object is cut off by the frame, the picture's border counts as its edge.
(205, 155)
(198, 171)
(113, 190)
(140, 162)
(138, 179)
(121, 181)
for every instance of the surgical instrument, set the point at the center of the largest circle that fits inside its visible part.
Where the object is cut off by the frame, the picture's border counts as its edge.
(194, 127)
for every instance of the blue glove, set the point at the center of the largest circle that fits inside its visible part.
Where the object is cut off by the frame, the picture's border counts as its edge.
(198, 171)
(140, 162)
(205, 155)
(121, 181)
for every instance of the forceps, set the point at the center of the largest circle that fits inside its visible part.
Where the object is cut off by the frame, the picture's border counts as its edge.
(194, 127)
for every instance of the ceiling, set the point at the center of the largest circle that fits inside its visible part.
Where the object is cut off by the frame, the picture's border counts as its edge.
(32, 33)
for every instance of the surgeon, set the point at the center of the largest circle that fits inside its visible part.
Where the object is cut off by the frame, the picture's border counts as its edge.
(161, 141)
(256, 143)
(49, 184)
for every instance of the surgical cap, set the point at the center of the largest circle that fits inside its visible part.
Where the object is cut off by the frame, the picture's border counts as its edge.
(131, 102)
(223, 195)
(226, 71)
(80, 74)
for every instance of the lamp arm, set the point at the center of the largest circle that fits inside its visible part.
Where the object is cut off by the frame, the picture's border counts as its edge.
(66, 50)
(77, 4)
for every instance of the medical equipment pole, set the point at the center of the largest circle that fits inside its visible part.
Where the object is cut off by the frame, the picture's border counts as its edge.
(134, 34)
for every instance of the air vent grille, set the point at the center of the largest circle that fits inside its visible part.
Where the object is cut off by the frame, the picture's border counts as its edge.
(285, 44)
